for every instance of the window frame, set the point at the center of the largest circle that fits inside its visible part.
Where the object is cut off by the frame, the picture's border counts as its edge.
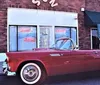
(70, 32)
(37, 34)
(17, 36)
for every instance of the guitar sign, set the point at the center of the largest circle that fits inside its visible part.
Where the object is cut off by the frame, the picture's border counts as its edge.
(51, 2)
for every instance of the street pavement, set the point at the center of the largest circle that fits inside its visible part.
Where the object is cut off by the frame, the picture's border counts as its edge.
(75, 79)
(89, 78)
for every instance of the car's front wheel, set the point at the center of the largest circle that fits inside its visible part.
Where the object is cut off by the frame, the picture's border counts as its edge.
(31, 73)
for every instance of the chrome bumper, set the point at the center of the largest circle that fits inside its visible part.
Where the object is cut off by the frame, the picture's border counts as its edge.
(6, 70)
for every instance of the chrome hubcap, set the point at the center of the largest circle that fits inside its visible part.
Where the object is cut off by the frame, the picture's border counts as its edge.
(30, 73)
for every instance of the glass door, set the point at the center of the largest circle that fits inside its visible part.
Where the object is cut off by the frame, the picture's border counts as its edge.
(45, 36)
(95, 39)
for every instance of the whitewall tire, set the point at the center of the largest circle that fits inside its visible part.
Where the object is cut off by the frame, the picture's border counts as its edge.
(30, 73)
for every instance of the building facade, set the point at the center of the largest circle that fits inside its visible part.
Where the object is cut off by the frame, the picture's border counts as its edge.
(28, 24)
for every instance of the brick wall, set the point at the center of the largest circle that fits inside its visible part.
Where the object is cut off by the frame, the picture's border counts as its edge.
(64, 5)
(3, 26)
(93, 5)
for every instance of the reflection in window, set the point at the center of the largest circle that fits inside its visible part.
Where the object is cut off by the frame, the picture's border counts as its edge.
(13, 38)
(74, 35)
(66, 32)
(62, 32)
(26, 38)
(22, 38)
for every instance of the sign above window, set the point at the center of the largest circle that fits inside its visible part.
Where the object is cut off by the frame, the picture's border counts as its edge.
(51, 2)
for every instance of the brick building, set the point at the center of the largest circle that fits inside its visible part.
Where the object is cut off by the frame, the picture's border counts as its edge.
(21, 22)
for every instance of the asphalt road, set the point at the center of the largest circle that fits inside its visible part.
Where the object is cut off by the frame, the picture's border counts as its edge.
(90, 78)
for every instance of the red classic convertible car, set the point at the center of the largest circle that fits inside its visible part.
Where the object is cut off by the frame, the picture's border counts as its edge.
(62, 58)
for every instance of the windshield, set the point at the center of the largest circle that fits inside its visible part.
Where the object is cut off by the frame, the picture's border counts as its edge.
(63, 44)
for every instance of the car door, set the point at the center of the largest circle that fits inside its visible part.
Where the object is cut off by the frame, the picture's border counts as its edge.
(83, 60)
(78, 59)
(74, 62)
(59, 61)
(92, 62)
(69, 61)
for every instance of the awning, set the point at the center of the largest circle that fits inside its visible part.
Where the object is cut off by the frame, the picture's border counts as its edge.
(91, 18)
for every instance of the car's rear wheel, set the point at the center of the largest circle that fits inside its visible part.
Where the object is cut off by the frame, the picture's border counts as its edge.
(31, 73)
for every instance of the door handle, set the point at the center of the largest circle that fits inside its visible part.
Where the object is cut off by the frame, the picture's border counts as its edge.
(66, 62)
(96, 52)
(61, 54)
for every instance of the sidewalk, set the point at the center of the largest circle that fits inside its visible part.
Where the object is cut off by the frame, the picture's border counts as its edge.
(1, 72)
(2, 59)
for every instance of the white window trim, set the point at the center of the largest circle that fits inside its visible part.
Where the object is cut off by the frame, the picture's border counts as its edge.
(7, 33)
(38, 34)
(91, 39)
(77, 37)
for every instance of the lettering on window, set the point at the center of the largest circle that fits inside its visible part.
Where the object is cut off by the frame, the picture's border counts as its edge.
(51, 2)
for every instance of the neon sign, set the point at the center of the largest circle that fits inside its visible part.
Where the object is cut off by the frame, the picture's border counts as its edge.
(51, 2)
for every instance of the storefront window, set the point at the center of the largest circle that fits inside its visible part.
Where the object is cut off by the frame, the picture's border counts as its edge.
(26, 37)
(13, 38)
(62, 32)
(74, 35)
(22, 38)
(66, 32)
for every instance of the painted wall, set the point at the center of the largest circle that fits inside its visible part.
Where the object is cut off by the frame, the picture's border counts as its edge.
(18, 16)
